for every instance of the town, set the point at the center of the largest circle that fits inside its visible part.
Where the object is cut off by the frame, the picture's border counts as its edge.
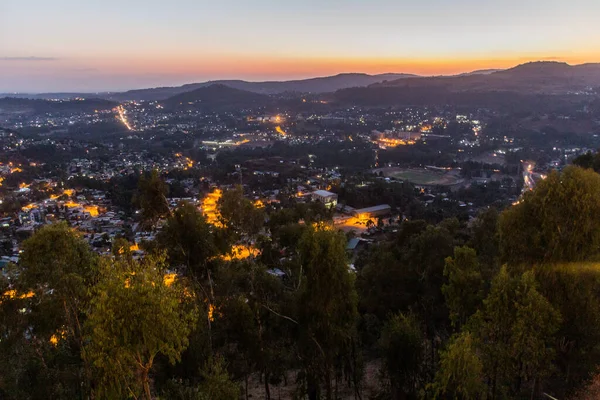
(356, 242)
(434, 162)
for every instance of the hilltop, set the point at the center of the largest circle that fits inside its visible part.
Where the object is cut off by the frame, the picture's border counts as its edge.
(547, 77)
(216, 96)
(313, 85)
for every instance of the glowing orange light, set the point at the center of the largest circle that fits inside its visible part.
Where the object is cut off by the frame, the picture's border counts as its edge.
(123, 117)
(241, 252)
(280, 131)
(54, 339)
(169, 279)
(14, 295)
(29, 207)
(209, 208)
(92, 210)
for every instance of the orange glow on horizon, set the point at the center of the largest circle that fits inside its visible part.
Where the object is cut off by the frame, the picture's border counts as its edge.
(266, 67)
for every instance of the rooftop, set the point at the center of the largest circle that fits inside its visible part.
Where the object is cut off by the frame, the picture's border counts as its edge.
(324, 193)
(380, 207)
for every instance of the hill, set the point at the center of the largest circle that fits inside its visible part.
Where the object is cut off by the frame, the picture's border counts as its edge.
(21, 105)
(535, 77)
(217, 96)
(479, 72)
(531, 87)
(313, 85)
(57, 95)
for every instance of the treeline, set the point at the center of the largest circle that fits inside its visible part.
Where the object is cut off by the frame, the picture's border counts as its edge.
(506, 306)
(45, 106)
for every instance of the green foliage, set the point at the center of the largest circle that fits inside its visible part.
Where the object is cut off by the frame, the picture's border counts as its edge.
(52, 283)
(556, 222)
(461, 371)
(409, 270)
(217, 385)
(588, 160)
(56, 257)
(574, 290)
(326, 303)
(464, 290)
(515, 331)
(135, 317)
(485, 240)
(401, 346)
(188, 240)
(73, 327)
(121, 248)
(59, 268)
(239, 215)
(151, 198)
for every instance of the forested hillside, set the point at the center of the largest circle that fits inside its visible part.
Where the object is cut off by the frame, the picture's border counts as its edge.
(505, 306)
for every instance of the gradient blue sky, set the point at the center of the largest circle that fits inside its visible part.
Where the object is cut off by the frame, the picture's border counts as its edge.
(94, 45)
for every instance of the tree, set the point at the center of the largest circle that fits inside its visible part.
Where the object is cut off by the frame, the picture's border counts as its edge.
(401, 346)
(189, 241)
(57, 258)
(52, 282)
(121, 248)
(239, 215)
(556, 222)
(136, 315)
(573, 291)
(425, 256)
(464, 290)
(151, 197)
(515, 331)
(216, 385)
(460, 375)
(588, 160)
(327, 306)
(485, 241)
(250, 326)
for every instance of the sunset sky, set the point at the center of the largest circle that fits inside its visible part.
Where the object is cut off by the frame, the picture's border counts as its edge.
(102, 45)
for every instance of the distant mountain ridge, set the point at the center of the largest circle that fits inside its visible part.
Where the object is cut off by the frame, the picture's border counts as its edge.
(216, 96)
(543, 77)
(480, 72)
(33, 106)
(532, 87)
(312, 85)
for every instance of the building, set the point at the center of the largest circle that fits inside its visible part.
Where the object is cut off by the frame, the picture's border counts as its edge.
(373, 212)
(325, 197)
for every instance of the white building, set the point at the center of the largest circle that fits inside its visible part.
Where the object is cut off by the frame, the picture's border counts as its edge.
(325, 197)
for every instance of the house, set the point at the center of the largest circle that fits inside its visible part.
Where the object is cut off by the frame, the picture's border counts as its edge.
(373, 212)
(325, 197)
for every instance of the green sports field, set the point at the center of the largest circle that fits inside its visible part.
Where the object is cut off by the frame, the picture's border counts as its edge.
(422, 176)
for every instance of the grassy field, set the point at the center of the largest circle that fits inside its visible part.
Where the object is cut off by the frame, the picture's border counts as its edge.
(422, 176)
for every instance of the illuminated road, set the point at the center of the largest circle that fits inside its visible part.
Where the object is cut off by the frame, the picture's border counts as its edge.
(528, 180)
(122, 116)
(280, 131)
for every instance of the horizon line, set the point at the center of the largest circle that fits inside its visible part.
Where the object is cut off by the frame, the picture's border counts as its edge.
(408, 75)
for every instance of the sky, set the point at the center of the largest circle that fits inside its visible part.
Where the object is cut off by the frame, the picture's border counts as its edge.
(109, 45)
